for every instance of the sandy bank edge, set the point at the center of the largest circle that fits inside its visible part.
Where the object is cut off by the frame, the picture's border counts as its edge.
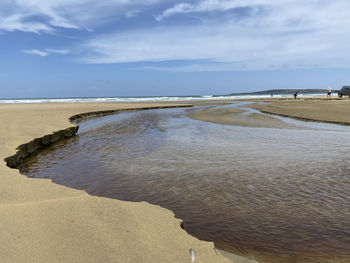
(27, 149)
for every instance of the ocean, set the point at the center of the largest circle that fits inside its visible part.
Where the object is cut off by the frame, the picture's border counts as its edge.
(147, 99)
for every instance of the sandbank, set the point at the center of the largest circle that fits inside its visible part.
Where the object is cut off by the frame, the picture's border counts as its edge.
(331, 111)
(310, 109)
(239, 117)
(44, 222)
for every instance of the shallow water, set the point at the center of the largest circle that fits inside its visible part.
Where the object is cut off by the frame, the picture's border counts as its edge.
(257, 191)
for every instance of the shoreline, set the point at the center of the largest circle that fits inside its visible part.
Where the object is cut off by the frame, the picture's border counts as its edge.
(45, 222)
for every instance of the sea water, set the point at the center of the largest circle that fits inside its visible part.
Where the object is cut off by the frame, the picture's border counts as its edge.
(148, 98)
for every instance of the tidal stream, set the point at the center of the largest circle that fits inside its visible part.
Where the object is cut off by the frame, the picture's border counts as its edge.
(275, 194)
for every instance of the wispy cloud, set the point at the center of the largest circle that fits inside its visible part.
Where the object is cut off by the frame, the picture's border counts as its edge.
(14, 22)
(212, 5)
(46, 52)
(58, 51)
(36, 52)
(295, 34)
(230, 34)
(43, 16)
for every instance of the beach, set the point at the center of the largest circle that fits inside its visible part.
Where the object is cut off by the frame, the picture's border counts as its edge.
(46, 222)
(174, 131)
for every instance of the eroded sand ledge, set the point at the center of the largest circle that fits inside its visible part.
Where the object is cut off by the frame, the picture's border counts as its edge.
(45, 222)
(27, 149)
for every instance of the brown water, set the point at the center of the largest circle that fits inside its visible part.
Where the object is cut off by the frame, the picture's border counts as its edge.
(264, 192)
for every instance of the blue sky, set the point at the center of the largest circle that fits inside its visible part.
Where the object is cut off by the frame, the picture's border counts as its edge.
(74, 48)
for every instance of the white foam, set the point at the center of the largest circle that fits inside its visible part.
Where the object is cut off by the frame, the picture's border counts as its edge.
(146, 99)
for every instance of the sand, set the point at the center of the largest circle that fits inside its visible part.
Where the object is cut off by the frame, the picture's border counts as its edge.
(311, 109)
(44, 222)
(240, 117)
(332, 111)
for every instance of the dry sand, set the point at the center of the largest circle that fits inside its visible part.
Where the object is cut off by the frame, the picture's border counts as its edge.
(44, 222)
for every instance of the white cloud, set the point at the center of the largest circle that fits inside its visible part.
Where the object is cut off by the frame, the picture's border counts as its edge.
(46, 52)
(43, 16)
(58, 51)
(216, 5)
(178, 8)
(296, 34)
(36, 52)
(254, 34)
(14, 22)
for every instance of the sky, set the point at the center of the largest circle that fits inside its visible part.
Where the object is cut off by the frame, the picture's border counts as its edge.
(89, 48)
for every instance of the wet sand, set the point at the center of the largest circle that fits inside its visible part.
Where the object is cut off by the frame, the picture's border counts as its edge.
(332, 111)
(239, 117)
(44, 222)
(310, 109)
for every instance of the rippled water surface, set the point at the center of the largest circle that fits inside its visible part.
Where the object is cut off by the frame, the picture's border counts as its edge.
(257, 191)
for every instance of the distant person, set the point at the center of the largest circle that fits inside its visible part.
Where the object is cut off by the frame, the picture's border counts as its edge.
(329, 93)
(295, 95)
(271, 95)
